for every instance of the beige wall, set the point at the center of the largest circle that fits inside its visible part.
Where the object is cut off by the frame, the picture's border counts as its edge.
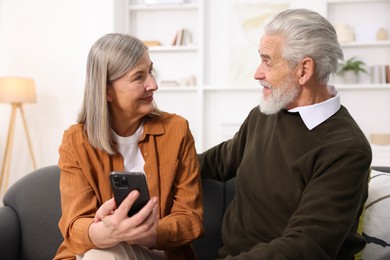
(47, 40)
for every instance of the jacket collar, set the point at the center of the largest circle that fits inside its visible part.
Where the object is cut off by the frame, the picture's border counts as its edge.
(152, 126)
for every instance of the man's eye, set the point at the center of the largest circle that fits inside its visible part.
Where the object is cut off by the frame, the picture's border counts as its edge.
(267, 63)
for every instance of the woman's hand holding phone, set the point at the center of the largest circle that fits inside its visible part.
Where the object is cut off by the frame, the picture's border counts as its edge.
(123, 183)
(112, 224)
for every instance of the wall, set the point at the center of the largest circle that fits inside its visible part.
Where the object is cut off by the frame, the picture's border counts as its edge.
(47, 40)
(227, 106)
(224, 39)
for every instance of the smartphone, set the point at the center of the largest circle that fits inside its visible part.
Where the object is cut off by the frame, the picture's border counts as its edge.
(123, 183)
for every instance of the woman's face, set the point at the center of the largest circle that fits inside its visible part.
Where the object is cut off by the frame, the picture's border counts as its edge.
(131, 96)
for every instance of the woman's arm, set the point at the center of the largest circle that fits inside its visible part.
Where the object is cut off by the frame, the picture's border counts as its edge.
(83, 189)
(182, 212)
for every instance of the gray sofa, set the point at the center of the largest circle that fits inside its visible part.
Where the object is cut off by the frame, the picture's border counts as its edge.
(28, 220)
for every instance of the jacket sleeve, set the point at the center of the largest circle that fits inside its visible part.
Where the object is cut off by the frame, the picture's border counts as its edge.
(78, 202)
(182, 216)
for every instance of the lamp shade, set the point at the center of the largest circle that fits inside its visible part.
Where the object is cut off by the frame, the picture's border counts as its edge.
(17, 90)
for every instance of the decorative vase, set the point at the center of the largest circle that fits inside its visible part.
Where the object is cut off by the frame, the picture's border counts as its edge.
(350, 77)
(381, 34)
(345, 33)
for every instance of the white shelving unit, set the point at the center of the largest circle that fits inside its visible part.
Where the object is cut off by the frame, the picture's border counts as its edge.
(385, 43)
(354, 1)
(173, 64)
(216, 110)
(365, 17)
(363, 87)
(180, 64)
(142, 6)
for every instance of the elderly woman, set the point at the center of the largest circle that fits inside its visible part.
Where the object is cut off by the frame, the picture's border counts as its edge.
(120, 128)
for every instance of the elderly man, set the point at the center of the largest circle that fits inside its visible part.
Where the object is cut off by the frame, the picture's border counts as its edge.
(300, 160)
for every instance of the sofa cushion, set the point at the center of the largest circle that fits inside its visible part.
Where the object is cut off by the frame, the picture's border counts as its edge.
(376, 217)
(213, 198)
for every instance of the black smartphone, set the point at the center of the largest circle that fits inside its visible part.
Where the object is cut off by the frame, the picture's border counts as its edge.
(123, 183)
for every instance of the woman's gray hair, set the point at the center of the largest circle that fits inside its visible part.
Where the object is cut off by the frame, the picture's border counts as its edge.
(109, 58)
(308, 34)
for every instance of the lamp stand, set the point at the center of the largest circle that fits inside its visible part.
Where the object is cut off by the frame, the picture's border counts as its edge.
(8, 148)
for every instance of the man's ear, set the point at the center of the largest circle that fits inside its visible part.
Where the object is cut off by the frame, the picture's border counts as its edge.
(305, 70)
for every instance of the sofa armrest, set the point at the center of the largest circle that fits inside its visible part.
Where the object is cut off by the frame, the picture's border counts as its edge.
(36, 200)
(9, 233)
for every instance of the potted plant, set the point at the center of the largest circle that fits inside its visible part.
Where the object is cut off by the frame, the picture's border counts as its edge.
(350, 70)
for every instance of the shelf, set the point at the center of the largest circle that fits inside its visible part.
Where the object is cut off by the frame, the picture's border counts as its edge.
(209, 88)
(167, 7)
(168, 48)
(232, 88)
(178, 89)
(366, 44)
(363, 86)
(356, 1)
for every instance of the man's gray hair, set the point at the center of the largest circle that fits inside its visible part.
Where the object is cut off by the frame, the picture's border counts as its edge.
(307, 34)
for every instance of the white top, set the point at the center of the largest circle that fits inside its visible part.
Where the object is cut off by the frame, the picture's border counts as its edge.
(314, 115)
(128, 148)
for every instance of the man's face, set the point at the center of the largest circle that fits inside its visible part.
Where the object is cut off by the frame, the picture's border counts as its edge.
(280, 88)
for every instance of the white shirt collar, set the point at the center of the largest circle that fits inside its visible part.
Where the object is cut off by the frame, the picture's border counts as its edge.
(314, 115)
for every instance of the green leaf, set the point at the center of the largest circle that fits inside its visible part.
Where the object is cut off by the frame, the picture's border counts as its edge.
(352, 64)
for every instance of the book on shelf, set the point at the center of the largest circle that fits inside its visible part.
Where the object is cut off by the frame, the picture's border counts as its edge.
(182, 37)
(152, 43)
(168, 83)
(380, 74)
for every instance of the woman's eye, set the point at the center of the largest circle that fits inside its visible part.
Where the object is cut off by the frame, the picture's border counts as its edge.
(139, 77)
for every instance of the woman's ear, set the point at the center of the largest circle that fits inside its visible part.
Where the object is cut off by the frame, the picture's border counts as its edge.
(306, 70)
(108, 94)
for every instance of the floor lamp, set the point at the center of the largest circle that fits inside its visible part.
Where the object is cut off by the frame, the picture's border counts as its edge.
(15, 91)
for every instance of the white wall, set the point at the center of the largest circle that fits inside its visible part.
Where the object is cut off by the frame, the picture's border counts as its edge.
(225, 39)
(47, 40)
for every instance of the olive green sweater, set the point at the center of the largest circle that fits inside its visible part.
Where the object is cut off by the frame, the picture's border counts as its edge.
(299, 192)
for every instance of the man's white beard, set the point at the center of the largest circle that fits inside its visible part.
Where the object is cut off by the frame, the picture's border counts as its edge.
(280, 96)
